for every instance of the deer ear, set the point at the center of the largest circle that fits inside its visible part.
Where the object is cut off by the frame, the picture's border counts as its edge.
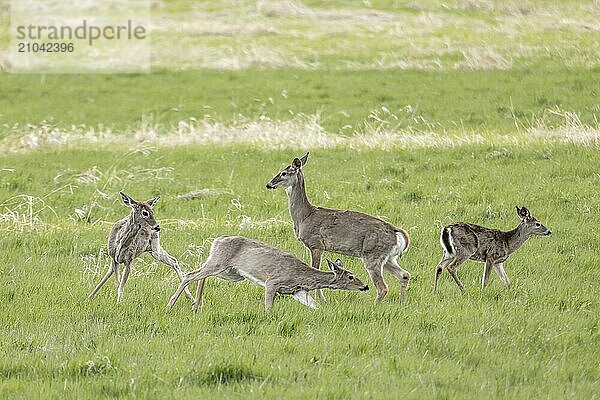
(523, 212)
(152, 202)
(297, 163)
(304, 159)
(128, 201)
(331, 266)
(339, 263)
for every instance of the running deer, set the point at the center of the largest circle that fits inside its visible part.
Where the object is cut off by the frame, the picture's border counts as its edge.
(235, 258)
(462, 241)
(131, 236)
(351, 233)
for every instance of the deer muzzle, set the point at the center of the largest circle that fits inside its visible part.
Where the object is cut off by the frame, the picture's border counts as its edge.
(270, 186)
(548, 233)
(364, 289)
(156, 228)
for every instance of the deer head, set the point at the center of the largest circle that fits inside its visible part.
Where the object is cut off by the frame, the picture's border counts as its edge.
(531, 224)
(289, 175)
(142, 211)
(344, 279)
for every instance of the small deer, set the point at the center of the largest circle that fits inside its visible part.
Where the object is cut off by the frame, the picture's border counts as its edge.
(235, 258)
(462, 241)
(351, 233)
(132, 236)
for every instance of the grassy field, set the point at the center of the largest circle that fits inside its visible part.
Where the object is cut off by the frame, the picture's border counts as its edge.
(483, 101)
(538, 339)
(421, 113)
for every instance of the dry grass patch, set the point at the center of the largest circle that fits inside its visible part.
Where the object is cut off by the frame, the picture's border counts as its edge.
(279, 34)
(381, 130)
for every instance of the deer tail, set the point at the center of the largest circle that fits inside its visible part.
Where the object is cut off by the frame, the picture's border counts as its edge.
(446, 240)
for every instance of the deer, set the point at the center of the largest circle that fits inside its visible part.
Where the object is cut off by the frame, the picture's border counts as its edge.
(463, 241)
(376, 242)
(129, 238)
(236, 258)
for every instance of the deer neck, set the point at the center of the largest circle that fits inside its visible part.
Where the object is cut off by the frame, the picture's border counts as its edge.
(300, 207)
(131, 226)
(130, 230)
(315, 279)
(516, 238)
(126, 235)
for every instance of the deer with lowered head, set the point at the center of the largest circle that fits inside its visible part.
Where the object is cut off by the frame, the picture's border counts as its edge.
(129, 238)
(351, 233)
(235, 258)
(462, 241)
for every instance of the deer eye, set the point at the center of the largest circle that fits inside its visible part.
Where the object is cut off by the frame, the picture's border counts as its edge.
(351, 277)
(283, 173)
(145, 214)
(538, 224)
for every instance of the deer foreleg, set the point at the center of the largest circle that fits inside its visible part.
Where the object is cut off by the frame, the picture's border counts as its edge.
(315, 262)
(499, 268)
(163, 256)
(270, 292)
(123, 281)
(305, 298)
(486, 273)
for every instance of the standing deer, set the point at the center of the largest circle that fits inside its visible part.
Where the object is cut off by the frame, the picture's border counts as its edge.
(132, 236)
(351, 233)
(235, 258)
(462, 241)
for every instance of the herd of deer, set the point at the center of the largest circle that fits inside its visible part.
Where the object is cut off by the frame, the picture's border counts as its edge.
(378, 243)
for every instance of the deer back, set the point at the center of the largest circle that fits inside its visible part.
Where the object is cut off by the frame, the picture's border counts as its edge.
(252, 258)
(347, 232)
(477, 240)
(258, 261)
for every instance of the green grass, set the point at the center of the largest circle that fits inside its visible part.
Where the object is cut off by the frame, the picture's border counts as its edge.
(536, 340)
(456, 101)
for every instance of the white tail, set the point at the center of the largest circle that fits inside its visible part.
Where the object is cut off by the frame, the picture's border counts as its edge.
(131, 236)
(235, 258)
(377, 242)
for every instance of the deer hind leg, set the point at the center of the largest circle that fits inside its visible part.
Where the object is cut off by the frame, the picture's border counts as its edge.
(375, 269)
(458, 259)
(113, 268)
(161, 255)
(447, 259)
(487, 268)
(315, 261)
(499, 268)
(117, 274)
(402, 275)
(198, 299)
(208, 269)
